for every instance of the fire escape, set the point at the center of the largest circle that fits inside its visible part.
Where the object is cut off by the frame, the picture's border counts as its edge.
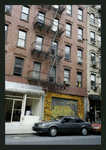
(52, 52)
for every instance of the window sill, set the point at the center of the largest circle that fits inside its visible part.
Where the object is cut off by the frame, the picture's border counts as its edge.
(68, 15)
(68, 60)
(24, 20)
(81, 20)
(80, 64)
(7, 14)
(80, 41)
(68, 37)
(20, 47)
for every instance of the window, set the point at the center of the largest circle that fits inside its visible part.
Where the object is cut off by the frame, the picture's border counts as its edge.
(92, 36)
(25, 13)
(66, 75)
(68, 120)
(92, 19)
(67, 52)
(56, 6)
(41, 17)
(36, 70)
(52, 77)
(80, 14)
(100, 61)
(54, 46)
(68, 30)
(55, 25)
(8, 9)
(99, 41)
(93, 81)
(6, 30)
(79, 79)
(69, 10)
(39, 42)
(100, 81)
(78, 120)
(80, 34)
(92, 57)
(21, 38)
(99, 22)
(18, 66)
(79, 56)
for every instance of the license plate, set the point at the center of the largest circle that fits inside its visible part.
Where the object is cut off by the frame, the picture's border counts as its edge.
(96, 127)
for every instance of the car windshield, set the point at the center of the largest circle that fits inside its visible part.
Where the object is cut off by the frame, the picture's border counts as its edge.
(59, 117)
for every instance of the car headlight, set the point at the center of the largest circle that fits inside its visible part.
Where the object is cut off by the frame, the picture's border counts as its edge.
(41, 125)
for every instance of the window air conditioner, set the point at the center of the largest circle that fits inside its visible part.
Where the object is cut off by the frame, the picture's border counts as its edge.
(94, 63)
(67, 82)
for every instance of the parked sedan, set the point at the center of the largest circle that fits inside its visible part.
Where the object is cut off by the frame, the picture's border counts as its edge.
(63, 124)
(96, 127)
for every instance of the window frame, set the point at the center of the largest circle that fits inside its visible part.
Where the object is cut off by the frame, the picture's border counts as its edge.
(36, 72)
(41, 20)
(55, 27)
(81, 57)
(92, 39)
(94, 82)
(16, 66)
(67, 70)
(6, 32)
(93, 58)
(21, 38)
(100, 60)
(41, 44)
(69, 31)
(92, 20)
(70, 10)
(81, 35)
(53, 75)
(79, 85)
(25, 13)
(99, 40)
(79, 14)
(54, 47)
(69, 55)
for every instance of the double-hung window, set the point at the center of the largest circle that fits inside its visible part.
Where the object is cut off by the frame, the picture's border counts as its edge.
(39, 42)
(6, 30)
(66, 75)
(52, 77)
(79, 56)
(8, 9)
(25, 13)
(67, 52)
(92, 19)
(55, 25)
(68, 30)
(54, 46)
(36, 70)
(80, 14)
(93, 81)
(21, 38)
(69, 10)
(99, 22)
(79, 79)
(99, 41)
(80, 33)
(92, 36)
(41, 17)
(18, 66)
(92, 57)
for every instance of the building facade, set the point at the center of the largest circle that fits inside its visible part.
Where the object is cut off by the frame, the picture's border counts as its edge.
(94, 62)
(45, 62)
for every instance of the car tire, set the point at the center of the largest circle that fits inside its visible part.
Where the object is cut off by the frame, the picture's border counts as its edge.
(84, 131)
(53, 131)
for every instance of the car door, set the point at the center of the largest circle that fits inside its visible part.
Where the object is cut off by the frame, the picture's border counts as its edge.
(78, 123)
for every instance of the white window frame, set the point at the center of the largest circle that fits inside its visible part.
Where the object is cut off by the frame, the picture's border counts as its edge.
(25, 13)
(68, 29)
(80, 35)
(22, 39)
(80, 15)
(69, 10)
(66, 75)
(39, 43)
(79, 57)
(67, 52)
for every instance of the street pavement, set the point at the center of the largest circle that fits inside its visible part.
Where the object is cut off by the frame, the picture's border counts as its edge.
(36, 139)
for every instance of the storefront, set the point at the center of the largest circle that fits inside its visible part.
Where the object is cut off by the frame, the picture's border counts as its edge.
(95, 108)
(24, 103)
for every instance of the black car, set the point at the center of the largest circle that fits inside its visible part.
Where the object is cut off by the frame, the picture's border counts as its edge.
(63, 124)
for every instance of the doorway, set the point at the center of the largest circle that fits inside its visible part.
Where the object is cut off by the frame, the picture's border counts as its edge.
(13, 109)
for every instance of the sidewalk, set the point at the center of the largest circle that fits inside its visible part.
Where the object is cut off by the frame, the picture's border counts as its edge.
(18, 129)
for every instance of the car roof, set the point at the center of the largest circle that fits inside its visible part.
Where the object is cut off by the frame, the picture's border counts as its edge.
(73, 117)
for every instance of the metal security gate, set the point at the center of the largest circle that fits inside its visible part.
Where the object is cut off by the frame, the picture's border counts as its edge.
(60, 106)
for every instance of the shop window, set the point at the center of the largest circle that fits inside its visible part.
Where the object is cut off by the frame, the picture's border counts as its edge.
(18, 66)
(92, 19)
(21, 38)
(68, 29)
(79, 56)
(39, 42)
(67, 52)
(66, 75)
(36, 70)
(6, 30)
(92, 57)
(93, 81)
(25, 13)
(8, 9)
(80, 14)
(79, 79)
(69, 10)
(80, 34)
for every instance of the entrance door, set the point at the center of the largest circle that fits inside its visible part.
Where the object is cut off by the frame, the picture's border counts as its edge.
(16, 110)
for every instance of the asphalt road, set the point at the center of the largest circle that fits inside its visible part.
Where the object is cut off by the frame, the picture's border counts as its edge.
(36, 139)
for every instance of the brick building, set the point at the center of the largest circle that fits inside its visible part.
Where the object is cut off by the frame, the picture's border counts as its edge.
(45, 62)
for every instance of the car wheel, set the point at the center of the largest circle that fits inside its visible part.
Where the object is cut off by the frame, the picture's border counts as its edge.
(53, 131)
(84, 131)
